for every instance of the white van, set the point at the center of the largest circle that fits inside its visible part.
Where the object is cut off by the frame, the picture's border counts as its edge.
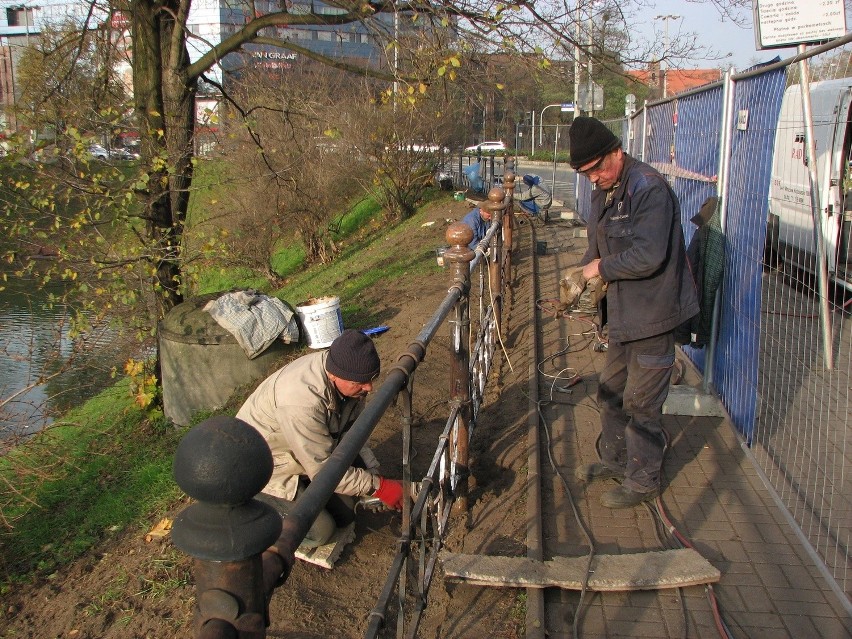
(790, 235)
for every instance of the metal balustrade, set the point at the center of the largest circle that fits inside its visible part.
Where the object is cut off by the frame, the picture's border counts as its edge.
(240, 557)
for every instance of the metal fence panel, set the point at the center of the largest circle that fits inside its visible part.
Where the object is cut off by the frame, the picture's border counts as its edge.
(659, 133)
(696, 165)
(745, 229)
(800, 436)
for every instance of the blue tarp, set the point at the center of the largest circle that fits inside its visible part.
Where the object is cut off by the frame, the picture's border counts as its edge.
(584, 197)
(472, 174)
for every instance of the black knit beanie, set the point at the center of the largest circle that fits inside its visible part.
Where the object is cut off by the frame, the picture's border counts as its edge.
(589, 139)
(353, 357)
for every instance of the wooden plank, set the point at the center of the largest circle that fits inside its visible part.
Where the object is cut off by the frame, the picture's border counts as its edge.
(326, 555)
(641, 571)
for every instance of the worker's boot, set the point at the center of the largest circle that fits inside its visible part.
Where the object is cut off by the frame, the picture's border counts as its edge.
(592, 472)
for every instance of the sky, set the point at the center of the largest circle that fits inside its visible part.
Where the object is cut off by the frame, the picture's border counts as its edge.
(704, 21)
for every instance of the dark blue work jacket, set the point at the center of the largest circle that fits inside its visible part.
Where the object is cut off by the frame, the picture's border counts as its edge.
(638, 237)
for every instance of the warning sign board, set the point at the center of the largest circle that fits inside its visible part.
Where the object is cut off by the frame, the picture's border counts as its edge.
(785, 23)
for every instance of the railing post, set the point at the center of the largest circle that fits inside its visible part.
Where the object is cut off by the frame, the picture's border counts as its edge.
(496, 204)
(508, 220)
(459, 256)
(222, 463)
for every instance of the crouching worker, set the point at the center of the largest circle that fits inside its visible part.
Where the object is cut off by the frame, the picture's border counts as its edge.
(302, 410)
(533, 197)
(479, 221)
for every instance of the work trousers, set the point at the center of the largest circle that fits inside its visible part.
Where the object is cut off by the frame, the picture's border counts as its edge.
(633, 387)
(339, 511)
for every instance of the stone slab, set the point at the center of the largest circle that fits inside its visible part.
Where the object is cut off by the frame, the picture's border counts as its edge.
(687, 400)
(640, 571)
(326, 555)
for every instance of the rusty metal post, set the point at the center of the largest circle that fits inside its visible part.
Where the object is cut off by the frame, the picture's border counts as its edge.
(223, 463)
(459, 256)
(508, 221)
(495, 204)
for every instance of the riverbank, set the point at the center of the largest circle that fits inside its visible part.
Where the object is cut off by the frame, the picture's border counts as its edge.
(99, 481)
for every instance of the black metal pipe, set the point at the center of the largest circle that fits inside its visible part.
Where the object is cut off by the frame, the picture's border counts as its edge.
(312, 501)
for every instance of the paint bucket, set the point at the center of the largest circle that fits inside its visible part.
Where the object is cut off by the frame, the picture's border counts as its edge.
(321, 320)
(458, 196)
(439, 252)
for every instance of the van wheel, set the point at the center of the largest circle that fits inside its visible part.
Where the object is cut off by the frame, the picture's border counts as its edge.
(840, 295)
(771, 247)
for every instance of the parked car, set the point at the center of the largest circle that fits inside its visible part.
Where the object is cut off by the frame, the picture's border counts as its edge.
(425, 147)
(121, 153)
(98, 152)
(421, 147)
(486, 147)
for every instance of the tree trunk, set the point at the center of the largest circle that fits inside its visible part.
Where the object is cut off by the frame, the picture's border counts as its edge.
(165, 107)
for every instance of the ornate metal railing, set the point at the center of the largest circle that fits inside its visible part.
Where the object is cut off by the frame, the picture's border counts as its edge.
(241, 548)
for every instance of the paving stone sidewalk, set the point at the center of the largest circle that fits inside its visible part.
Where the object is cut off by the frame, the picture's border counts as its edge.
(770, 587)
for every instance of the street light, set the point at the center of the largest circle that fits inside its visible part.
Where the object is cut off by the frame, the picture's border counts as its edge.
(566, 106)
(663, 70)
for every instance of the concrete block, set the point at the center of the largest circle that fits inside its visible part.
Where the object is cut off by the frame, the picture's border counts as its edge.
(686, 400)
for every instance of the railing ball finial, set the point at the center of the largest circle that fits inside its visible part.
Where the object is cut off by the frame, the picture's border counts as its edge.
(496, 202)
(223, 463)
(459, 235)
(496, 195)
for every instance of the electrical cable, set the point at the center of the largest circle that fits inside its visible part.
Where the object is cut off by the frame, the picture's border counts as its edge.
(721, 627)
(578, 614)
(572, 379)
(658, 534)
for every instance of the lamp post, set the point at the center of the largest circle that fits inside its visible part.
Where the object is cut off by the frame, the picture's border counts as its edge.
(532, 133)
(664, 69)
(541, 118)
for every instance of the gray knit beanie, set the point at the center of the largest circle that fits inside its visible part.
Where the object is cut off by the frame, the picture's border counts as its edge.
(589, 139)
(353, 357)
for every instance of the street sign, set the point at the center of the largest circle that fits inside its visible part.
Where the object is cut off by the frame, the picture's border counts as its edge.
(591, 97)
(568, 106)
(629, 104)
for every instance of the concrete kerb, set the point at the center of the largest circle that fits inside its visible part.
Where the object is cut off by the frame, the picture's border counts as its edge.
(688, 398)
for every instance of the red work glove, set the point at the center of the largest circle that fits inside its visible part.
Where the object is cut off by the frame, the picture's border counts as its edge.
(390, 492)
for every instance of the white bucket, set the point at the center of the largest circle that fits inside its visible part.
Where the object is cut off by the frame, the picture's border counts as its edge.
(321, 320)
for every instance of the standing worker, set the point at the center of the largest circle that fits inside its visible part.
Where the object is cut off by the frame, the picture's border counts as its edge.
(303, 410)
(636, 246)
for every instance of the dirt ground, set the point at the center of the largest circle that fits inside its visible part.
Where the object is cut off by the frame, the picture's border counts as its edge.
(131, 589)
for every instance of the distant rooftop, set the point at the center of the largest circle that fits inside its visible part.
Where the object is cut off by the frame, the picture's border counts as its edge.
(678, 80)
